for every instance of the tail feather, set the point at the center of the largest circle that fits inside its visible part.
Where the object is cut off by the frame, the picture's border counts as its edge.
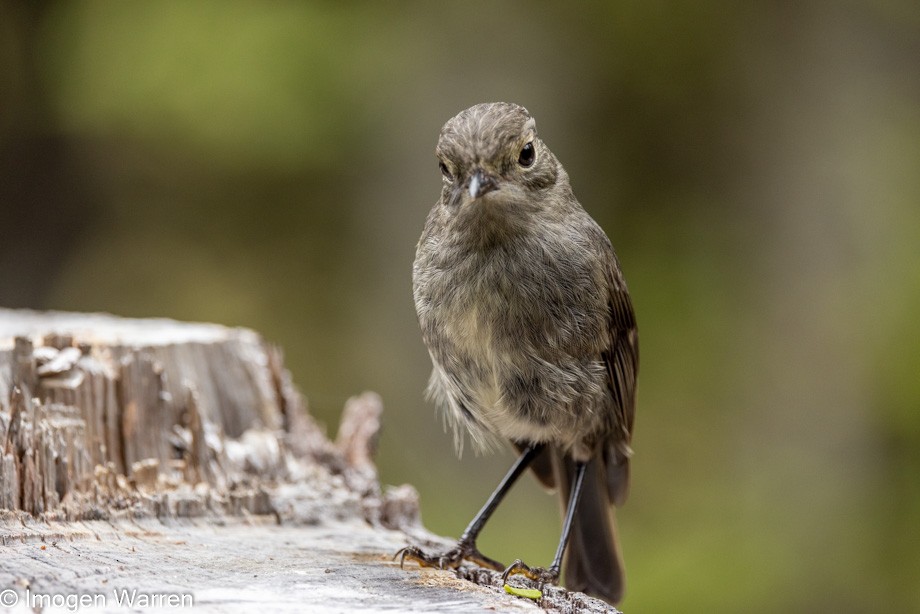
(593, 563)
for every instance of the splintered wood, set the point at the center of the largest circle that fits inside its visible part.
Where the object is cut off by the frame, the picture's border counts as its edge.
(101, 416)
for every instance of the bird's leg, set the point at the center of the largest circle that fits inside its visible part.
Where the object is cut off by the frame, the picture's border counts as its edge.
(466, 546)
(551, 575)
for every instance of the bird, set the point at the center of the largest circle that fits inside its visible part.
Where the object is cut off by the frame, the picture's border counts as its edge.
(529, 324)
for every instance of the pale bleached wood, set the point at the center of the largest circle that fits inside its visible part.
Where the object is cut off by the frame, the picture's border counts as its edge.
(100, 414)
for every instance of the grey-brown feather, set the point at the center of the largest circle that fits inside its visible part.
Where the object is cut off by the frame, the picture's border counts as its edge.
(522, 304)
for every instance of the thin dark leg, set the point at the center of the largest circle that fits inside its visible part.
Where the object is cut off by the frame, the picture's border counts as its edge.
(574, 496)
(520, 466)
(551, 574)
(466, 546)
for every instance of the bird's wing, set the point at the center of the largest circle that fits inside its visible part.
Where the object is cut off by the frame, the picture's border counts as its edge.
(622, 359)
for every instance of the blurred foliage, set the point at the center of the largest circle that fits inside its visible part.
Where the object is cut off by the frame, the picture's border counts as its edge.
(756, 164)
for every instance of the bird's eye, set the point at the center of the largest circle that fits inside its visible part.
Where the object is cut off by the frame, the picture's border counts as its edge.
(445, 171)
(528, 155)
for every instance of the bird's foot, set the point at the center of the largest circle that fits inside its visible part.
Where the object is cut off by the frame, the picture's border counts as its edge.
(540, 575)
(451, 559)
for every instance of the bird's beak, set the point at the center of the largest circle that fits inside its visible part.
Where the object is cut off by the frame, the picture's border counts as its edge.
(481, 183)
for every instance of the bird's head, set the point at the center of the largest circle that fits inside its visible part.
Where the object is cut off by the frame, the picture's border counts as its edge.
(490, 154)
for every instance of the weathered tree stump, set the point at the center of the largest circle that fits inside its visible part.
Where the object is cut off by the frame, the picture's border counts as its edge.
(178, 461)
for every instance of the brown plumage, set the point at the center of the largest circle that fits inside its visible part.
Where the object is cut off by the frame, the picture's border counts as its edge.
(526, 315)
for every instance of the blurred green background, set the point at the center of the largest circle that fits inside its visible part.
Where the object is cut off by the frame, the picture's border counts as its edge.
(757, 166)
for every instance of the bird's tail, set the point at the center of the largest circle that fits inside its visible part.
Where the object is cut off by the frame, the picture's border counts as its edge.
(593, 563)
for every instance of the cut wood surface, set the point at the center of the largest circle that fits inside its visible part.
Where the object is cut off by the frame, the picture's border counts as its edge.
(152, 464)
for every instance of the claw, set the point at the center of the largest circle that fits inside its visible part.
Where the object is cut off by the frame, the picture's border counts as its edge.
(401, 555)
(448, 560)
(416, 554)
(537, 574)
